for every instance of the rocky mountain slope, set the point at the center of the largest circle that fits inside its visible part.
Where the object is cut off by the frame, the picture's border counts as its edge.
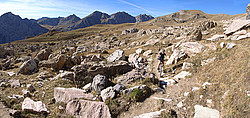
(13, 27)
(73, 22)
(110, 70)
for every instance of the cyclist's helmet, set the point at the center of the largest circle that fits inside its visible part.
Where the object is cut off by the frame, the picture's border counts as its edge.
(163, 50)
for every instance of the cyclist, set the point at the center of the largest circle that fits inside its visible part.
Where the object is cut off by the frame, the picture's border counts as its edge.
(161, 58)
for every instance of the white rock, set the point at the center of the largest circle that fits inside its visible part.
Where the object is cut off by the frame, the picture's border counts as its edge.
(230, 45)
(139, 51)
(215, 37)
(187, 65)
(147, 53)
(31, 88)
(182, 75)
(115, 56)
(30, 105)
(180, 104)
(241, 32)
(222, 44)
(225, 94)
(151, 114)
(186, 94)
(195, 89)
(243, 36)
(201, 96)
(205, 112)
(206, 84)
(168, 80)
(165, 99)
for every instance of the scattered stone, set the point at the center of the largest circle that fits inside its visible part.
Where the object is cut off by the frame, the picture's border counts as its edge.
(119, 87)
(67, 75)
(129, 31)
(3, 84)
(87, 109)
(241, 32)
(66, 94)
(243, 36)
(151, 114)
(147, 53)
(168, 80)
(222, 44)
(30, 105)
(187, 66)
(108, 94)
(44, 54)
(115, 56)
(139, 51)
(99, 83)
(207, 61)
(180, 104)
(44, 75)
(129, 90)
(28, 67)
(216, 37)
(152, 42)
(31, 88)
(225, 94)
(167, 100)
(186, 94)
(11, 73)
(194, 89)
(230, 45)
(26, 93)
(87, 87)
(14, 83)
(205, 112)
(182, 75)
(206, 84)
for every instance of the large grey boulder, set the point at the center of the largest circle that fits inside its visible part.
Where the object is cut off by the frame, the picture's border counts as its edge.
(205, 112)
(67, 94)
(115, 56)
(87, 109)
(28, 67)
(30, 105)
(192, 48)
(99, 83)
(44, 54)
(248, 12)
(132, 76)
(85, 73)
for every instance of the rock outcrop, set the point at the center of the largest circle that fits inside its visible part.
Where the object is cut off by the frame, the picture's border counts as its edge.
(87, 109)
(143, 17)
(205, 112)
(67, 94)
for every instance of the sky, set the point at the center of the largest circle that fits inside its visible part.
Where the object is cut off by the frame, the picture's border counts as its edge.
(53, 8)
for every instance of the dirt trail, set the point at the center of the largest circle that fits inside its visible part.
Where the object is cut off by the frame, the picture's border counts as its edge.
(173, 92)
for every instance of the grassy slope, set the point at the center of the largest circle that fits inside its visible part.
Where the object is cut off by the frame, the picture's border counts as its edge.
(230, 72)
